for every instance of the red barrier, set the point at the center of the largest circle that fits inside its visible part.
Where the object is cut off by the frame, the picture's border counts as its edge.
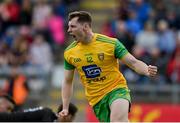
(155, 113)
(90, 116)
(147, 113)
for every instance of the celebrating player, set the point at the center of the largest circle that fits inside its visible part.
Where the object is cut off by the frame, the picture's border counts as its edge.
(95, 57)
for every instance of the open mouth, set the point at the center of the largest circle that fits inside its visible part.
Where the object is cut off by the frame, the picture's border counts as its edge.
(73, 36)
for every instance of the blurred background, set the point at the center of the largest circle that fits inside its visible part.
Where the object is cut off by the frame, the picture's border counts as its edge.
(33, 36)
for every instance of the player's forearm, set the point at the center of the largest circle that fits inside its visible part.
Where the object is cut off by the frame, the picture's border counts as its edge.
(67, 89)
(135, 64)
(140, 67)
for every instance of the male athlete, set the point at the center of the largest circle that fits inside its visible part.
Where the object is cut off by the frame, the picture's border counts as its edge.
(95, 57)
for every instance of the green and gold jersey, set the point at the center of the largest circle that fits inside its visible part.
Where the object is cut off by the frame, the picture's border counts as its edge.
(98, 66)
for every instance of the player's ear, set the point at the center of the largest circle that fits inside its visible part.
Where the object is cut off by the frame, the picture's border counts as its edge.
(86, 26)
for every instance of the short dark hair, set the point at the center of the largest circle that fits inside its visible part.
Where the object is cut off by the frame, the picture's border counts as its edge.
(8, 97)
(83, 17)
(72, 109)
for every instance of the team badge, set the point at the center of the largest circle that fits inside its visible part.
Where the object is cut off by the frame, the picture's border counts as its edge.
(101, 56)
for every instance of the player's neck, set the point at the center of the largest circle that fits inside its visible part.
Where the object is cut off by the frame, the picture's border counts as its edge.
(88, 39)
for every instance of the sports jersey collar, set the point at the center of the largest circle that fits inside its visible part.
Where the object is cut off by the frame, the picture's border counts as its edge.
(94, 37)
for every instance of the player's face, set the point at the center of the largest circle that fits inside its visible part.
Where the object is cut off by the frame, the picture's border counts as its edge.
(76, 29)
(5, 105)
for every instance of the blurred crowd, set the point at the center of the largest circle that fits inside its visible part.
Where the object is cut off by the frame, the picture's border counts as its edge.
(33, 34)
(150, 30)
(30, 31)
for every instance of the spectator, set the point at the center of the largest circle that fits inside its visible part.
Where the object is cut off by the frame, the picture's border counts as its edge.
(166, 41)
(56, 27)
(133, 24)
(160, 10)
(172, 20)
(173, 67)
(17, 87)
(9, 11)
(60, 9)
(123, 35)
(25, 32)
(26, 12)
(173, 5)
(107, 28)
(41, 54)
(150, 44)
(142, 8)
(20, 52)
(41, 11)
(122, 11)
(3, 54)
(9, 36)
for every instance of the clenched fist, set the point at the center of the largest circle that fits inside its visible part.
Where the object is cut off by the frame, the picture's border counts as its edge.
(152, 71)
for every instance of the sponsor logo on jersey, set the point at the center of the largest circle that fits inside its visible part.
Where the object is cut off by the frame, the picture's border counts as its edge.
(91, 71)
(77, 60)
(98, 79)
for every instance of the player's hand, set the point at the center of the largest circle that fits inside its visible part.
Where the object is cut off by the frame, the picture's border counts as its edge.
(63, 113)
(63, 116)
(152, 71)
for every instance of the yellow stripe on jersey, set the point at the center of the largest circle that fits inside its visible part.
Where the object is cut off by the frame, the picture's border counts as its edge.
(97, 65)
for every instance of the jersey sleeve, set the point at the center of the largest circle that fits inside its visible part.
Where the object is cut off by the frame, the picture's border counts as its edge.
(120, 50)
(67, 62)
(68, 66)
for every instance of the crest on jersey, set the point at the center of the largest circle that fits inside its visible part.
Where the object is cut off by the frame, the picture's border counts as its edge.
(101, 56)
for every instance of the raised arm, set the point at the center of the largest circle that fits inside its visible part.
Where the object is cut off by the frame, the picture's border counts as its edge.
(67, 89)
(139, 66)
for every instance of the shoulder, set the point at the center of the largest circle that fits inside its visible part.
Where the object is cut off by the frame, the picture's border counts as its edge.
(106, 39)
(71, 46)
(70, 49)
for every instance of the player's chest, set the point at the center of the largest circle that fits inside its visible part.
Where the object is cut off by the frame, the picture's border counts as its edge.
(92, 56)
